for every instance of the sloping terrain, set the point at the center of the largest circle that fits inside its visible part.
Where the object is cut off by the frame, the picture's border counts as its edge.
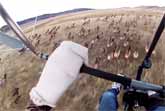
(31, 20)
(117, 41)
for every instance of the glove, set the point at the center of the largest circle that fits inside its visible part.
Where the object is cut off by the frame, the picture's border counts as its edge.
(61, 69)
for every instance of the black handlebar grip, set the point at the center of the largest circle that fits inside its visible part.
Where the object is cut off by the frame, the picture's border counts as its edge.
(105, 75)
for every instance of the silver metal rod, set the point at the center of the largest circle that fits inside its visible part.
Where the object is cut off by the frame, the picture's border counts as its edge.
(141, 85)
(17, 30)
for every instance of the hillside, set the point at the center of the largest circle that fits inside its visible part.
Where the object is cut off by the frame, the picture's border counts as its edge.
(43, 17)
(117, 41)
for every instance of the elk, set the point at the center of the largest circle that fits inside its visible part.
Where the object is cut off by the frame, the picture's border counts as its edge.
(86, 22)
(97, 29)
(128, 53)
(86, 44)
(37, 43)
(70, 36)
(105, 19)
(135, 54)
(82, 32)
(73, 25)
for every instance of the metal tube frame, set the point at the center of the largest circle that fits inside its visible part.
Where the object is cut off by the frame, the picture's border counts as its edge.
(17, 30)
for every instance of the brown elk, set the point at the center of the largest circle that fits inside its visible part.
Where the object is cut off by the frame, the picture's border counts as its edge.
(86, 22)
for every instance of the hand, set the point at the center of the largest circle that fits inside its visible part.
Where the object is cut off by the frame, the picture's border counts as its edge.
(61, 69)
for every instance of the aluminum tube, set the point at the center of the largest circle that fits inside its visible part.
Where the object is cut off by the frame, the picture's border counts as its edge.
(141, 85)
(17, 30)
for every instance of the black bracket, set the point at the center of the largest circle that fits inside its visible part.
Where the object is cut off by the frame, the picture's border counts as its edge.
(162, 94)
(134, 98)
(147, 64)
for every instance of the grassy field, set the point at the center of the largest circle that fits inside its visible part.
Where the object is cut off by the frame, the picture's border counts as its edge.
(117, 41)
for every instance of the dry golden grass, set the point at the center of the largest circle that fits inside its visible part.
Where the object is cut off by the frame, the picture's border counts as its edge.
(104, 32)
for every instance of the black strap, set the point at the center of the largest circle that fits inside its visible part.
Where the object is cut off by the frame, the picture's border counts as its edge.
(146, 62)
(105, 75)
